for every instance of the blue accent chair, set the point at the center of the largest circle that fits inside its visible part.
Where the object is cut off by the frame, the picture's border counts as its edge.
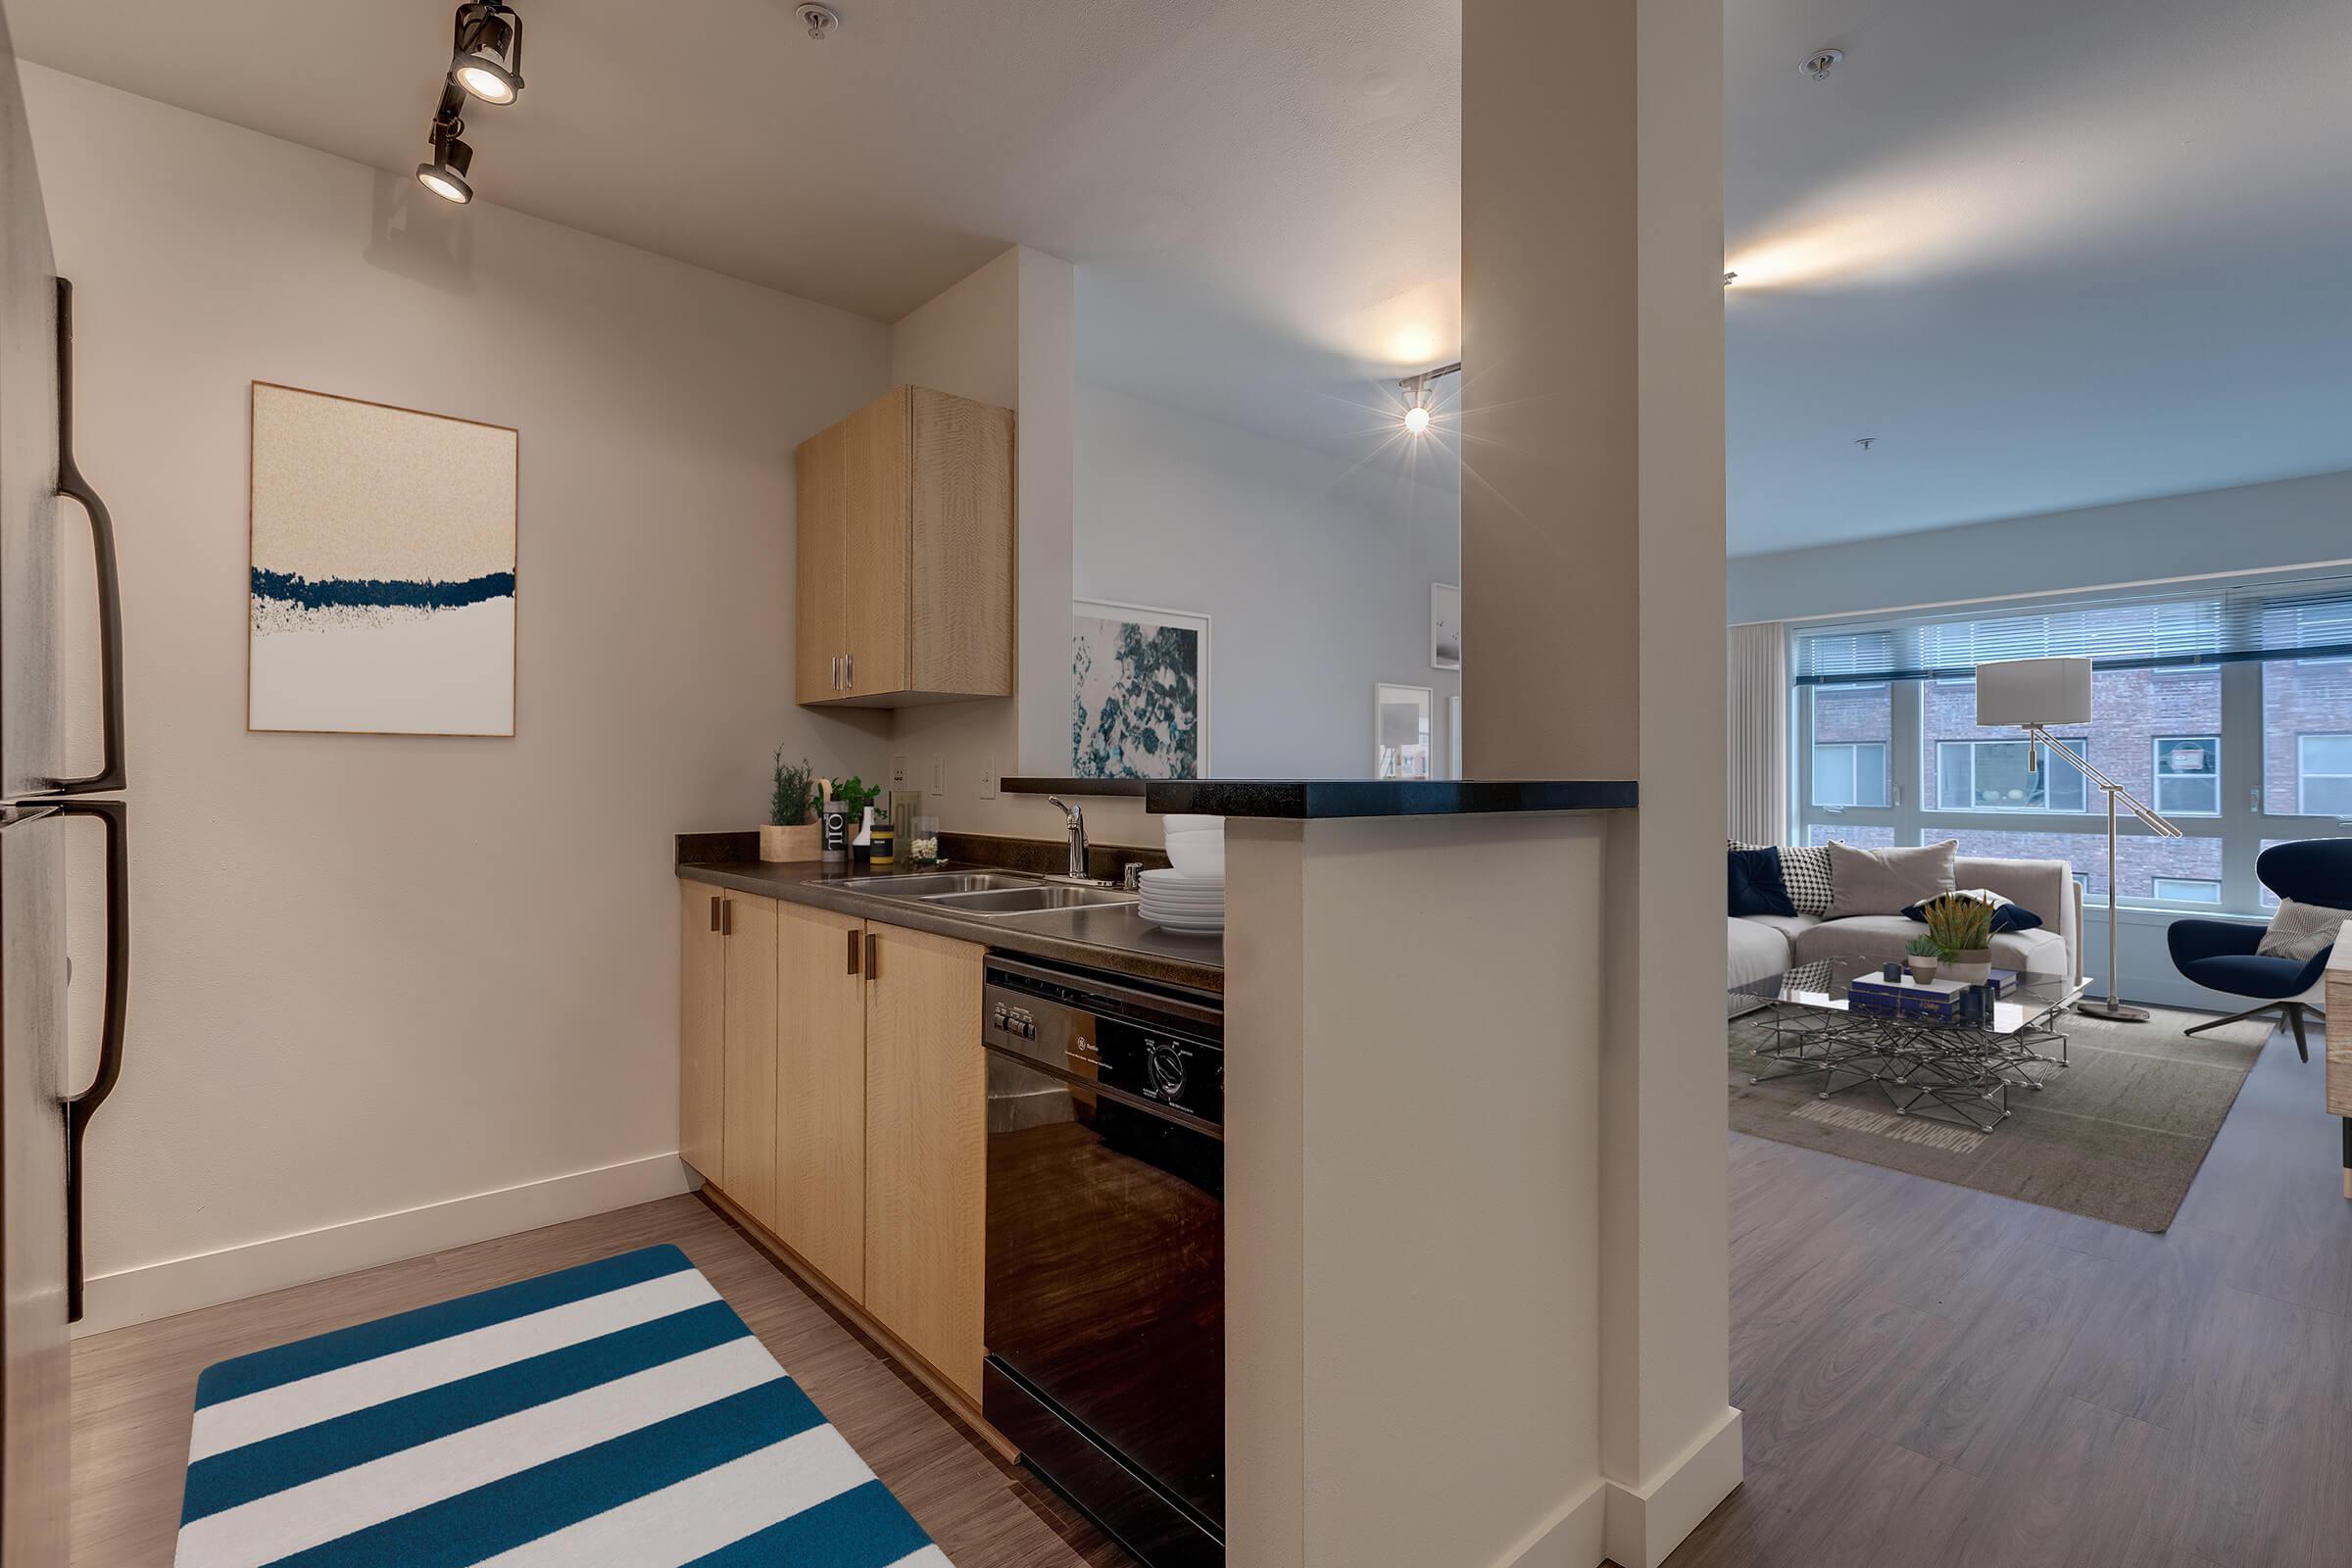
(2219, 954)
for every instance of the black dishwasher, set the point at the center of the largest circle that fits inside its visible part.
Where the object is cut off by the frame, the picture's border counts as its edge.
(1105, 1305)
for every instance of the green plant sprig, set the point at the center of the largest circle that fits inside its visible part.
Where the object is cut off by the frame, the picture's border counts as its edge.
(788, 805)
(1923, 947)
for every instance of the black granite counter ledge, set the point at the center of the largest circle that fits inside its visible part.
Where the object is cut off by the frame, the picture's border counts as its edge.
(1314, 798)
(1131, 787)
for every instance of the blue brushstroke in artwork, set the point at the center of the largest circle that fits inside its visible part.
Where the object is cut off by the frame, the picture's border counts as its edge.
(326, 593)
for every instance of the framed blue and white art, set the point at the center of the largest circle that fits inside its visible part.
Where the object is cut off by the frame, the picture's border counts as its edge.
(1139, 704)
(381, 596)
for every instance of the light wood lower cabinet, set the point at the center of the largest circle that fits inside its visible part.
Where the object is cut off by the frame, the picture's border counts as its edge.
(831, 1085)
(820, 1093)
(702, 1028)
(926, 1149)
(748, 1161)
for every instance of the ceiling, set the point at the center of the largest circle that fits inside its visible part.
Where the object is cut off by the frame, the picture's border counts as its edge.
(1260, 197)
(2045, 256)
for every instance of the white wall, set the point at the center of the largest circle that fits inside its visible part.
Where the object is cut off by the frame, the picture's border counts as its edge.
(378, 976)
(2252, 528)
(1314, 573)
(1003, 335)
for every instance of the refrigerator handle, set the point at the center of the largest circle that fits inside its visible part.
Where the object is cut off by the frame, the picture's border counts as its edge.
(73, 487)
(83, 1107)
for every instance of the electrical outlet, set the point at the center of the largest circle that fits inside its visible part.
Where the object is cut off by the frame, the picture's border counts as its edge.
(988, 777)
(939, 775)
(898, 772)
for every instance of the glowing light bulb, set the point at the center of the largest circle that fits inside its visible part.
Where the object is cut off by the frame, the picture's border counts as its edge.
(1416, 418)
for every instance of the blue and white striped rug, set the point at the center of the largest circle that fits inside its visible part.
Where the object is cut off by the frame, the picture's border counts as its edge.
(616, 1413)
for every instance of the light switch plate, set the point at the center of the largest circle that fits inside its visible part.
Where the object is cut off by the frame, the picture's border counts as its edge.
(939, 774)
(988, 777)
(898, 771)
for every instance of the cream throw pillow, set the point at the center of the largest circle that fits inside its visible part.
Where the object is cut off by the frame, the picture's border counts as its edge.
(2299, 931)
(1887, 881)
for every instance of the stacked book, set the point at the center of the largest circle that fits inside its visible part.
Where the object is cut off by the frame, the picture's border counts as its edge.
(1938, 1001)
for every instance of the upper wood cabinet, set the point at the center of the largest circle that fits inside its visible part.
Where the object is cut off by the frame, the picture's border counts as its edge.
(905, 554)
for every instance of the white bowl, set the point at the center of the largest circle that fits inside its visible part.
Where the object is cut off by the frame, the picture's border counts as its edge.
(1197, 854)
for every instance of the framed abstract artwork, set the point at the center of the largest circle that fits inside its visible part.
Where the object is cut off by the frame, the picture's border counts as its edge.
(1139, 703)
(382, 593)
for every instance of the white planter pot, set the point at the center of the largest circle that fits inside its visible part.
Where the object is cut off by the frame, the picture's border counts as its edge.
(1970, 968)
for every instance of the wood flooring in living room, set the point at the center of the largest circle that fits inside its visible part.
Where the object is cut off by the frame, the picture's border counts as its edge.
(1939, 1378)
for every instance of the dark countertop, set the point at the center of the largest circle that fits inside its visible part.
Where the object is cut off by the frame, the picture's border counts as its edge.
(1106, 937)
(1308, 799)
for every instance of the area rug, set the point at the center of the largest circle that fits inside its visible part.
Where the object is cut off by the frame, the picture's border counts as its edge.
(2118, 1136)
(618, 1413)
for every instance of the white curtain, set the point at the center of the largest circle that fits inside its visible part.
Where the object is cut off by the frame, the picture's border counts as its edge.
(1756, 742)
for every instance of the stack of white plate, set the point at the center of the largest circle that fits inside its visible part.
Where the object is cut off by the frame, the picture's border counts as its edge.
(1175, 901)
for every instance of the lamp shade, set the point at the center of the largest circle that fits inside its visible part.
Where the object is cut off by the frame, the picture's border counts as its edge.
(2034, 691)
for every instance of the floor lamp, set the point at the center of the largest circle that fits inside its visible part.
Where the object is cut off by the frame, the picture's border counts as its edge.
(2035, 693)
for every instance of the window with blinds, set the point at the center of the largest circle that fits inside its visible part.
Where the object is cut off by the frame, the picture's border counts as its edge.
(2230, 710)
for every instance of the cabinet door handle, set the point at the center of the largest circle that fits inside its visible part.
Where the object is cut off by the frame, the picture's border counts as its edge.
(852, 949)
(715, 911)
(837, 672)
(726, 918)
(872, 957)
(848, 671)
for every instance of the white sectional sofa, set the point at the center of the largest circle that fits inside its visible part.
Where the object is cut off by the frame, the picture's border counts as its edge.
(1764, 945)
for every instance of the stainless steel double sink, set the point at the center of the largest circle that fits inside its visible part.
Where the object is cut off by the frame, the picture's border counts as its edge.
(986, 894)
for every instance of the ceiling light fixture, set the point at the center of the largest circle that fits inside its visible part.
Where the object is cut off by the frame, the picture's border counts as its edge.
(1416, 391)
(1821, 61)
(487, 61)
(444, 175)
(820, 21)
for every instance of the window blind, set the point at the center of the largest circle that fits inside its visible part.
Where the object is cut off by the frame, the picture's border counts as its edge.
(2309, 618)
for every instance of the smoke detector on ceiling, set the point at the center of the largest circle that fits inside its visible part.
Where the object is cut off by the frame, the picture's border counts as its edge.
(1818, 65)
(820, 20)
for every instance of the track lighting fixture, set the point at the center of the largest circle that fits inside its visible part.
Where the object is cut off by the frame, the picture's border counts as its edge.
(488, 57)
(1416, 392)
(444, 175)
(485, 63)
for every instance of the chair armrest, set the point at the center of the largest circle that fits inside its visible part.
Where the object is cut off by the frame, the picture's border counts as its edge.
(2316, 969)
(2192, 939)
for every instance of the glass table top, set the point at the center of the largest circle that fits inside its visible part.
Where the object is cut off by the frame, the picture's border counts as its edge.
(1821, 987)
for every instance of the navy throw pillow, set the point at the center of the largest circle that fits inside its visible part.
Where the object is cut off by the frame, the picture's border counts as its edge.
(2006, 916)
(1757, 886)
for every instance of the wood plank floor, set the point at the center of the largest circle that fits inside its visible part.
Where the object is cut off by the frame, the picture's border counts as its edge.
(133, 1391)
(1935, 1377)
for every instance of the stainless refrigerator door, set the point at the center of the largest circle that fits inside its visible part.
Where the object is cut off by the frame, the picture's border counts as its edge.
(30, 744)
(33, 1411)
(32, 962)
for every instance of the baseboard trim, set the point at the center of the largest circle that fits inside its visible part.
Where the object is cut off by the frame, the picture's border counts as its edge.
(1644, 1525)
(207, 1279)
(1570, 1539)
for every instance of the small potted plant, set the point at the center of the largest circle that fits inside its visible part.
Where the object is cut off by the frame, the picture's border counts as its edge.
(791, 831)
(1925, 954)
(1963, 931)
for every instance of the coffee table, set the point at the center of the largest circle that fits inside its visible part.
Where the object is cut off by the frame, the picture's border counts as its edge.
(1953, 1071)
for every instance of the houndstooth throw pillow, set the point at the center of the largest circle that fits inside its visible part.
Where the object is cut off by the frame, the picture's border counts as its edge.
(1807, 872)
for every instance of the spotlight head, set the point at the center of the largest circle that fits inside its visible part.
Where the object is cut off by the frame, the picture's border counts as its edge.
(487, 61)
(445, 175)
(1416, 418)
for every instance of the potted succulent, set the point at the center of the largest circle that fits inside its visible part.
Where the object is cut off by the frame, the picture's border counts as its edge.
(1925, 955)
(791, 831)
(1962, 927)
